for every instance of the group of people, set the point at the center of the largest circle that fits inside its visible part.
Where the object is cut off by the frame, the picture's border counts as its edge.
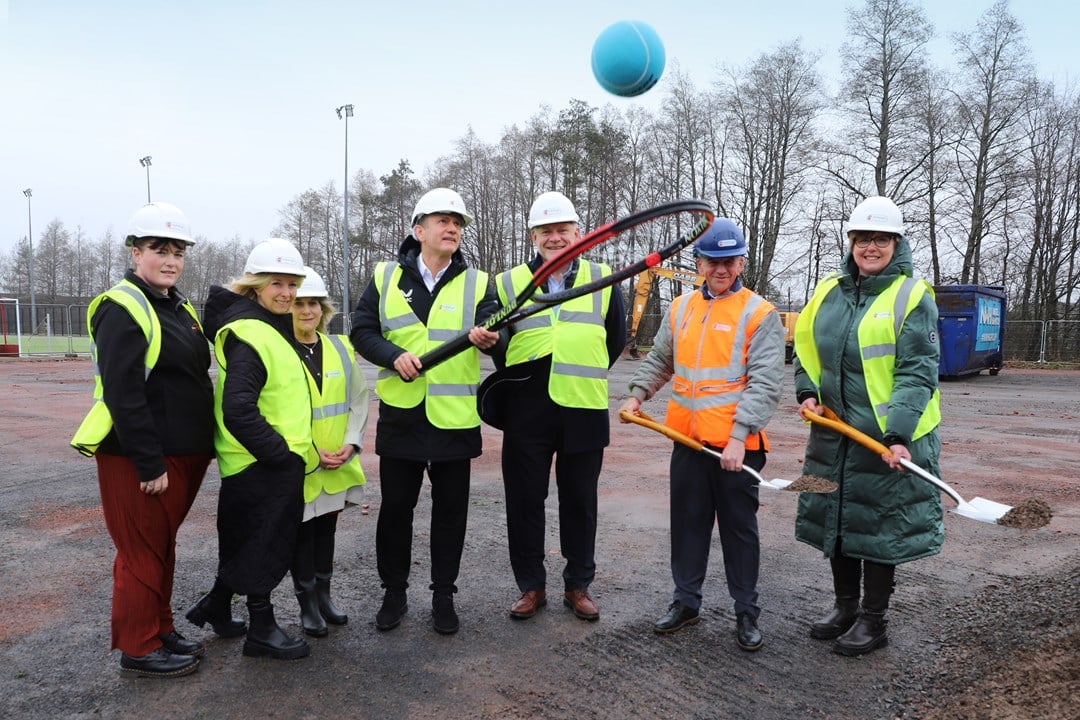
(286, 417)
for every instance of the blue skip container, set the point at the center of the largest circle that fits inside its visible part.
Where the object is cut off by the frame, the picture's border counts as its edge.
(971, 328)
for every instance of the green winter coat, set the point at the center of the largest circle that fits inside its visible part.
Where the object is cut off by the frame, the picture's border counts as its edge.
(879, 514)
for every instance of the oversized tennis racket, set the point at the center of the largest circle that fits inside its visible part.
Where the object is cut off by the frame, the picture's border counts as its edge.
(520, 308)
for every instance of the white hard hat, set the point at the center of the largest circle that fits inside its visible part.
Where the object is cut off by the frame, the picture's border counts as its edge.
(877, 213)
(441, 200)
(159, 220)
(275, 255)
(313, 285)
(552, 207)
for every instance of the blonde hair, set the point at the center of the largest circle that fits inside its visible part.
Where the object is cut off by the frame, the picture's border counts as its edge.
(249, 284)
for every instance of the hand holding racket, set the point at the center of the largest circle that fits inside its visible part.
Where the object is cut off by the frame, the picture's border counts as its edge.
(516, 311)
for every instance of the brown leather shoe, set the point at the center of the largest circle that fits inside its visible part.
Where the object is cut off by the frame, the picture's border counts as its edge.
(582, 605)
(527, 605)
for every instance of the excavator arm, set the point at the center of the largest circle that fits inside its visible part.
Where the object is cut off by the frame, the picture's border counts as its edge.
(643, 285)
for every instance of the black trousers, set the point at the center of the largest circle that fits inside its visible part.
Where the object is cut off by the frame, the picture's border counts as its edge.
(704, 494)
(400, 482)
(526, 466)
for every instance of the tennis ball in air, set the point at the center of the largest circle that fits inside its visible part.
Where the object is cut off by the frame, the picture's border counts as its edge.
(628, 58)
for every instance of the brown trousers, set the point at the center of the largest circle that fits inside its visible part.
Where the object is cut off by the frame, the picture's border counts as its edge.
(143, 529)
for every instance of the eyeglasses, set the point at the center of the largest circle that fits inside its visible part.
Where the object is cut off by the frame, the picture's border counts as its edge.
(880, 240)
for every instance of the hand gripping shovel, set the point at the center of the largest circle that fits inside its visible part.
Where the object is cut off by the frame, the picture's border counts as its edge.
(979, 508)
(646, 421)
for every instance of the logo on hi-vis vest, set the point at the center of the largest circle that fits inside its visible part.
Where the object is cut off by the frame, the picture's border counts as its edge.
(408, 295)
(448, 308)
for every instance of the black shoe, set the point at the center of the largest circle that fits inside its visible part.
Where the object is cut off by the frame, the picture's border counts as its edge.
(159, 664)
(866, 635)
(747, 635)
(217, 612)
(443, 616)
(266, 639)
(329, 611)
(311, 620)
(678, 616)
(394, 607)
(177, 644)
(837, 622)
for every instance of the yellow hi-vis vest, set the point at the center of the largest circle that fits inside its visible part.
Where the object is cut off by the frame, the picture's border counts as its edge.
(573, 334)
(330, 418)
(284, 400)
(98, 421)
(877, 333)
(448, 390)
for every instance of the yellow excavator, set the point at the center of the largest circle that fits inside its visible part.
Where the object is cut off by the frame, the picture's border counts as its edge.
(643, 286)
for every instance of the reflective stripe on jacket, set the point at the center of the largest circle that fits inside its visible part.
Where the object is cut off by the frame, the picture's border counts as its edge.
(877, 333)
(448, 390)
(285, 400)
(573, 333)
(98, 421)
(711, 341)
(330, 418)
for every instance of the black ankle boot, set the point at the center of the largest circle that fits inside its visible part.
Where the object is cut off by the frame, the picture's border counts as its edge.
(215, 608)
(310, 618)
(837, 622)
(330, 612)
(266, 639)
(866, 635)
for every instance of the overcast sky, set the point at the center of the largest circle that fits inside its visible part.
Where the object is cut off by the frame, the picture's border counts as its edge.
(234, 99)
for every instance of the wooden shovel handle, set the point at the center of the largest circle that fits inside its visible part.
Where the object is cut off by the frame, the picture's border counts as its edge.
(832, 420)
(645, 421)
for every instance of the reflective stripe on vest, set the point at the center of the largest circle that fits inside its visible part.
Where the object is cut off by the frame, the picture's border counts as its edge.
(284, 401)
(575, 337)
(330, 418)
(98, 421)
(449, 389)
(877, 333)
(711, 340)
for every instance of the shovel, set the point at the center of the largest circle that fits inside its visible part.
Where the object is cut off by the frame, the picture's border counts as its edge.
(645, 421)
(979, 508)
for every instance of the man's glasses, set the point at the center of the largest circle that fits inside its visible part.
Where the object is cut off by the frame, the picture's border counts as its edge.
(880, 240)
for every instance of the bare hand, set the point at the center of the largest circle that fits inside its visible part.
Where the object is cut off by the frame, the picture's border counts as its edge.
(897, 452)
(483, 338)
(156, 486)
(631, 406)
(734, 454)
(810, 404)
(408, 366)
(334, 460)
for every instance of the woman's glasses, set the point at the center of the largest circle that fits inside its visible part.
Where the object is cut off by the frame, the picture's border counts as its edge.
(880, 240)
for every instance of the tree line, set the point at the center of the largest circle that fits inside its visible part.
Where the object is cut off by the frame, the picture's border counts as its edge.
(982, 156)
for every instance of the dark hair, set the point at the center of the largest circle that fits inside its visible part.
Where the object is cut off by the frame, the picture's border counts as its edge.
(157, 243)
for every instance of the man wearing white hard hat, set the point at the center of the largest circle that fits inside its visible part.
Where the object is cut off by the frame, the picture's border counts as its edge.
(556, 369)
(427, 418)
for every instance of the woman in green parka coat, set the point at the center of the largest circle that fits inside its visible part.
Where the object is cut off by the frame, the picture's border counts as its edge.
(867, 349)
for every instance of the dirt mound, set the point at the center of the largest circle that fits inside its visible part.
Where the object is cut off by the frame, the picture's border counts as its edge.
(812, 483)
(1028, 515)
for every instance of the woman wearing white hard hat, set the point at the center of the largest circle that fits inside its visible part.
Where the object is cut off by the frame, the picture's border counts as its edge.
(263, 441)
(339, 399)
(151, 433)
(867, 349)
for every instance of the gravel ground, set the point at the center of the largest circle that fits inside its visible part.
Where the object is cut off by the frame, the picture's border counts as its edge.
(986, 629)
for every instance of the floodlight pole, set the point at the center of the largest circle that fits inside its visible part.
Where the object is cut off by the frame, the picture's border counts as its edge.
(346, 310)
(145, 162)
(30, 236)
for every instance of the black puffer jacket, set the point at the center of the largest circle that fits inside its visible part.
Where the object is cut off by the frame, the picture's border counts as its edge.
(406, 433)
(247, 374)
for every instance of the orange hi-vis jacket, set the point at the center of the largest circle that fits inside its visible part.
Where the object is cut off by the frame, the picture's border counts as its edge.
(711, 340)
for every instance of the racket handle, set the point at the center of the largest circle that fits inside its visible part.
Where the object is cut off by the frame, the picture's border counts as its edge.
(444, 352)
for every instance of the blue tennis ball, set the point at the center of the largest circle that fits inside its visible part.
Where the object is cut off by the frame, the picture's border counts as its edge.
(628, 58)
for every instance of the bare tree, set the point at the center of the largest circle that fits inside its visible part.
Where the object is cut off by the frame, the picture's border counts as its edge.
(995, 77)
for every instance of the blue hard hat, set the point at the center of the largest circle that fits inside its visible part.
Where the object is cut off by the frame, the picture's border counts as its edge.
(722, 239)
